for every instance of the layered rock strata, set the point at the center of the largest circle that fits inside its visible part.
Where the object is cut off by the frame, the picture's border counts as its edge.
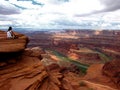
(112, 70)
(12, 45)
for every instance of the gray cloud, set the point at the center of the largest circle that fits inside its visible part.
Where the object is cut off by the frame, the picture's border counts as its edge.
(8, 9)
(111, 5)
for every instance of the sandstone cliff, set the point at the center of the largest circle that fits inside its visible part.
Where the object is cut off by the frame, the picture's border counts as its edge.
(112, 70)
(12, 45)
(23, 69)
(27, 72)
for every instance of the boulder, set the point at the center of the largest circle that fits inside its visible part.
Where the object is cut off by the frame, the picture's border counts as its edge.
(34, 52)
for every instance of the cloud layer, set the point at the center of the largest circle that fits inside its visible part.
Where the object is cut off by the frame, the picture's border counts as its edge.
(7, 9)
(57, 14)
(111, 5)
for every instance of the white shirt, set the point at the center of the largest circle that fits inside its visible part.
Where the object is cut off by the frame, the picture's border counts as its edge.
(9, 34)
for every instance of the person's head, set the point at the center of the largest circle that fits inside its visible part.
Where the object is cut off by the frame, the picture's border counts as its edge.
(10, 28)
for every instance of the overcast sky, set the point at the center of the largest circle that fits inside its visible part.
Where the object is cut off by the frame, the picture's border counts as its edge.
(60, 14)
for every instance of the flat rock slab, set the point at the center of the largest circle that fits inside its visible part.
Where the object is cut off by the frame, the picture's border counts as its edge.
(12, 45)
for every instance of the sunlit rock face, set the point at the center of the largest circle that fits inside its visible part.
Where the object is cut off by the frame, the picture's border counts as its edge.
(12, 45)
(112, 70)
(25, 71)
(107, 74)
(22, 70)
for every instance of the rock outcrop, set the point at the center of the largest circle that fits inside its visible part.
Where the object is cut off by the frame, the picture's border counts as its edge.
(22, 72)
(98, 73)
(27, 72)
(12, 45)
(23, 69)
(112, 70)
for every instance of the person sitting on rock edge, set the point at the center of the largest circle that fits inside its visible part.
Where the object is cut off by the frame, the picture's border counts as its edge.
(10, 33)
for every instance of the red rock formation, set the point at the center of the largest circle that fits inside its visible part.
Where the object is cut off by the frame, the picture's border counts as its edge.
(22, 72)
(27, 72)
(112, 70)
(12, 45)
(95, 75)
(74, 46)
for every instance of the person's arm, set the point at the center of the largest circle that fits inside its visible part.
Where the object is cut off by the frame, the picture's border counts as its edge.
(13, 34)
